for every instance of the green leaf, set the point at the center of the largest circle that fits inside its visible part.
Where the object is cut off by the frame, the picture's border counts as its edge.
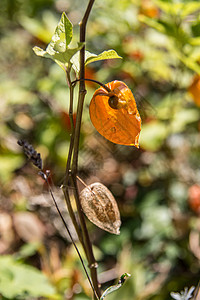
(110, 54)
(22, 280)
(58, 49)
(75, 61)
(91, 57)
(62, 36)
(115, 287)
(40, 52)
(61, 58)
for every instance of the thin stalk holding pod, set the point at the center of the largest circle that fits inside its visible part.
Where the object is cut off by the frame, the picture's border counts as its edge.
(86, 239)
(95, 81)
(45, 177)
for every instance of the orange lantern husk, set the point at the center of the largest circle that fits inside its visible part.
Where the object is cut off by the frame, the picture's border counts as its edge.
(121, 125)
(194, 89)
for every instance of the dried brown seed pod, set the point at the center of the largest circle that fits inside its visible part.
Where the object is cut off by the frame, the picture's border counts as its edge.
(100, 206)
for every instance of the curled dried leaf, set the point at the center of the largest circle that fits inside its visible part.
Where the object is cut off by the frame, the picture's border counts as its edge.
(100, 206)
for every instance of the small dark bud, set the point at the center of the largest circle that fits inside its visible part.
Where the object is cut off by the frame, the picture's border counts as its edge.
(113, 102)
(31, 153)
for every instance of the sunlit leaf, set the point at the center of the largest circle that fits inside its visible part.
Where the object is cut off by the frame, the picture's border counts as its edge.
(91, 57)
(61, 58)
(62, 36)
(110, 54)
(58, 49)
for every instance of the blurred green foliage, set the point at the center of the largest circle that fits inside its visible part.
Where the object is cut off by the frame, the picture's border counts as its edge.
(159, 42)
(16, 278)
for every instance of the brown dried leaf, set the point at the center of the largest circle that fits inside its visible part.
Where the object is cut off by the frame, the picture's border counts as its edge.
(100, 207)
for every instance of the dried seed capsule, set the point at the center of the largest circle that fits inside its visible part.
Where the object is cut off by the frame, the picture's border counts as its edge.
(100, 207)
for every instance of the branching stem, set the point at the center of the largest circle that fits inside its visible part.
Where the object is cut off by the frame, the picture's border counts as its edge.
(72, 161)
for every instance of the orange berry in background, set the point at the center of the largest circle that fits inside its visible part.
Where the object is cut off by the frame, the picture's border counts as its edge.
(149, 9)
(90, 73)
(66, 120)
(137, 55)
(114, 114)
(194, 89)
(194, 198)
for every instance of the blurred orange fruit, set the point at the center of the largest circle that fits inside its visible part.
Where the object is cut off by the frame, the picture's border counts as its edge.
(90, 73)
(149, 9)
(194, 89)
(66, 120)
(194, 197)
(114, 114)
(137, 55)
